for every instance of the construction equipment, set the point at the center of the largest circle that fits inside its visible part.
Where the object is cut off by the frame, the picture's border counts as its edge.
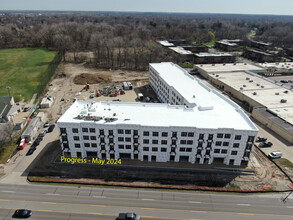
(87, 86)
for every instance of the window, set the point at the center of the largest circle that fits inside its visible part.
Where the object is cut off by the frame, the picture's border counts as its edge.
(93, 138)
(190, 142)
(121, 146)
(92, 130)
(236, 145)
(85, 130)
(183, 134)
(188, 149)
(127, 131)
(102, 132)
(120, 131)
(87, 144)
(216, 151)
(155, 149)
(220, 135)
(76, 138)
(198, 152)
(234, 152)
(110, 132)
(128, 147)
(74, 130)
(102, 140)
(174, 134)
(77, 145)
(183, 142)
(120, 139)
(164, 142)
(208, 152)
(173, 142)
(199, 144)
(135, 132)
(164, 134)
(210, 136)
(94, 145)
(146, 141)
(225, 144)
(250, 138)
(111, 140)
(145, 148)
(190, 134)
(182, 149)
(146, 133)
(218, 143)
(156, 134)
(86, 137)
(201, 136)
(155, 142)
(128, 139)
(224, 151)
(63, 130)
(238, 137)
(163, 149)
(227, 135)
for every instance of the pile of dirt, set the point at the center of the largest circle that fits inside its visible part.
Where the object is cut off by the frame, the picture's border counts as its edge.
(92, 79)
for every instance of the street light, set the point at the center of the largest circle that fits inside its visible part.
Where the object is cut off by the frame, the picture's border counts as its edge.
(8, 88)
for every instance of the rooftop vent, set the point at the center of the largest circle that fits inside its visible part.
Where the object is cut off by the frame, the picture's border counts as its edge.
(234, 64)
(245, 63)
(257, 84)
(247, 78)
(217, 75)
(244, 85)
(201, 65)
(250, 81)
(286, 91)
(213, 64)
(262, 86)
(277, 93)
(283, 100)
(254, 93)
(241, 88)
(224, 64)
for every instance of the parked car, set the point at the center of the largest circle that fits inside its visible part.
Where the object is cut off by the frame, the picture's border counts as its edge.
(43, 132)
(22, 213)
(47, 124)
(31, 150)
(37, 141)
(116, 100)
(92, 96)
(51, 128)
(128, 216)
(260, 139)
(26, 109)
(266, 144)
(284, 81)
(275, 154)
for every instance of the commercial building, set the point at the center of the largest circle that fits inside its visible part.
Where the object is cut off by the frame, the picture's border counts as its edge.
(269, 101)
(195, 124)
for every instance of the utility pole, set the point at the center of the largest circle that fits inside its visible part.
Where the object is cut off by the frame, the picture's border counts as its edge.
(8, 89)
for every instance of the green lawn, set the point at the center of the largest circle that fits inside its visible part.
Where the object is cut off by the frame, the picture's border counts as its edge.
(212, 43)
(23, 70)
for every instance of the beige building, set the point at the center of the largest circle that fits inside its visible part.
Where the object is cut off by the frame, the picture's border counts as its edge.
(270, 102)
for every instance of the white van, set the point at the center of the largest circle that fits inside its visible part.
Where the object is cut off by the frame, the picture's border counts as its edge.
(275, 154)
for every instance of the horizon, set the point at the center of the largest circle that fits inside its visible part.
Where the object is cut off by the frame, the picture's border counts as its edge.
(249, 7)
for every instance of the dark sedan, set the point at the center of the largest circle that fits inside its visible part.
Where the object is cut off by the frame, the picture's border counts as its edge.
(22, 213)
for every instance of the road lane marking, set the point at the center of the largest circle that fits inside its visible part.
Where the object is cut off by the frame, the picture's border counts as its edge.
(7, 191)
(116, 206)
(194, 202)
(49, 202)
(244, 204)
(52, 194)
(148, 199)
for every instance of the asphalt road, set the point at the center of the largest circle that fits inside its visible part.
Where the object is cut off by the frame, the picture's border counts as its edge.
(70, 202)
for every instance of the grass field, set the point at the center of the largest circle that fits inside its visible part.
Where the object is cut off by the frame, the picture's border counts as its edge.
(22, 70)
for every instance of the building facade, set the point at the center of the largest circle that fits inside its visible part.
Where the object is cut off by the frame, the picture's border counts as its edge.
(194, 124)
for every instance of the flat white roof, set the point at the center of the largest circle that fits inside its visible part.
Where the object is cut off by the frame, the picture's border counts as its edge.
(165, 43)
(213, 54)
(281, 65)
(261, 89)
(228, 67)
(181, 50)
(157, 114)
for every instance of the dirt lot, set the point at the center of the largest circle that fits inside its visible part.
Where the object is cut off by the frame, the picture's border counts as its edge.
(71, 78)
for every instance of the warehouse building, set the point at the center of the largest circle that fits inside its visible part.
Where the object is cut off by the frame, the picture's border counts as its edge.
(269, 101)
(195, 124)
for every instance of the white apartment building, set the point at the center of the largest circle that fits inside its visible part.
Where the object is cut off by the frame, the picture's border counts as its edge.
(195, 124)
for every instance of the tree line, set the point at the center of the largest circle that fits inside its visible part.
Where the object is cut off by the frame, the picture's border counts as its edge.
(128, 40)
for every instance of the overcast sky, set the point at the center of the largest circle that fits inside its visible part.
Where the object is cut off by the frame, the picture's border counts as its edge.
(276, 7)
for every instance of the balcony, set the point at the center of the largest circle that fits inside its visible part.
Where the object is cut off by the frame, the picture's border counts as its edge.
(101, 136)
(110, 136)
(103, 151)
(248, 149)
(200, 140)
(136, 144)
(63, 134)
(246, 158)
(136, 136)
(207, 156)
(173, 153)
(198, 156)
(111, 151)
(135, 151)
(174, 138)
